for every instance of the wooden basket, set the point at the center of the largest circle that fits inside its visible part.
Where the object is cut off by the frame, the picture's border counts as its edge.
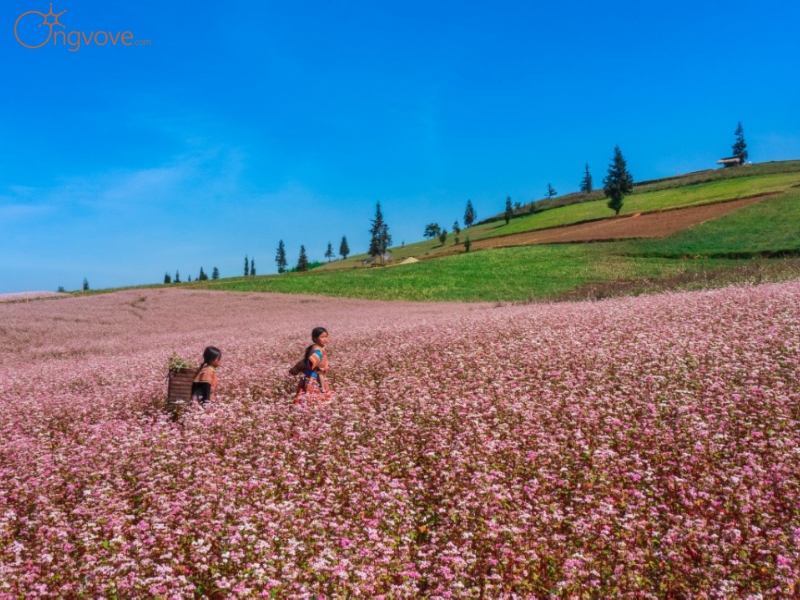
(179, 389)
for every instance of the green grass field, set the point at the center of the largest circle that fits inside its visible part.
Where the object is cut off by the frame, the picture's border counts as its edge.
(507, 274)
(771, 226)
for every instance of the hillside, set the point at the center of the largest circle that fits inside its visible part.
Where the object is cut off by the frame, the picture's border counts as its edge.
(689, 190)
(750, 232)
(699, 230)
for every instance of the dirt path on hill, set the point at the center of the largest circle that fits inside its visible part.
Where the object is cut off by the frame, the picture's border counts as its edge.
(648, 225)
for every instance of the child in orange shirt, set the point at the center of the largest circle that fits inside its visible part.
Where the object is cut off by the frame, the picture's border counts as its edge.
(206, 378)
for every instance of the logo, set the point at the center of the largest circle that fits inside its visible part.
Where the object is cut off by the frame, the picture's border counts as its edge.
(29, 37)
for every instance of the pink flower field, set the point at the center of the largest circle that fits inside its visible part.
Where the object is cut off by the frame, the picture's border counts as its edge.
(633, 448)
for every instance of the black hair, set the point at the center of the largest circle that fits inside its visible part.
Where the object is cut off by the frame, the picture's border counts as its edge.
(315, 333)
(210, 354)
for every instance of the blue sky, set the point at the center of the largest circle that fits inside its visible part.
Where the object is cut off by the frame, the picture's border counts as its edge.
(224, 127)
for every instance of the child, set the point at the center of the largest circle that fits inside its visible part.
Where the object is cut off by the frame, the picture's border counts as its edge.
(313, 366)
(206, 379)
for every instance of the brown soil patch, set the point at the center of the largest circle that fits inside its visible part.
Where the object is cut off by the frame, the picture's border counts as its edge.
(637, 225)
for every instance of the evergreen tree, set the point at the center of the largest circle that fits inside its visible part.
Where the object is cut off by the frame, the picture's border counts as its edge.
(177, 277)
(467, 244)
(618, 182)
(246, 266)
(379, 238)
(550, 191)
(432, 230)
(443, 236)
(280, 257)
(740, 146)
(85, 284)
(215, 273)
(469, 215)
(189, 279)
(586, 182)
(509, 212)
(253, 267)
(329, 252)
(384, 240)
(456, 228)
(167, 278)
(302, 261)
(344, 249)
(202, 276)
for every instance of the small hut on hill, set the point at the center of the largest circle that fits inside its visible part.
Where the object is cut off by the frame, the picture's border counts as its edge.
(731, 161)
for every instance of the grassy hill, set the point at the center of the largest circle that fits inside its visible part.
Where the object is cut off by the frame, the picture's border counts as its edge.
(653, 197)
(752, 243)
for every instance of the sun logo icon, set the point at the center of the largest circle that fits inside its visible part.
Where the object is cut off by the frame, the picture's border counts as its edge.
(45, 21)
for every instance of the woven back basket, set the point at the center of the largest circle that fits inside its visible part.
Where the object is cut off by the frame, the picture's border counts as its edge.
(179, 389)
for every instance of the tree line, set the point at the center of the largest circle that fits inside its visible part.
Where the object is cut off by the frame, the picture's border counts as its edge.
(201, 277)
(303, 264)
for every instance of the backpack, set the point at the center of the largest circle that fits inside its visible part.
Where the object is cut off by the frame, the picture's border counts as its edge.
(301, 366)
(298, 368)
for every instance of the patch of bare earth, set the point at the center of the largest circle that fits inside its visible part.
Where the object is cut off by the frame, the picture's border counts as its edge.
(647, 225)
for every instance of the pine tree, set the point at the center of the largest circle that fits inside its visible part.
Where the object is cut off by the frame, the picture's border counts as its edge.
(329, 252)
(253, 267)
(167, 278)
(384, 240)
(177, 277)
(302, 261)
(344, 249)
(215, 273)
(740, 146)
(280, 257)
(456, 228)
(469, 215)
(509, 212)
(85, 284)
(467, 244)
(550, 191)
(246, 266)
(202, 276)
(443, 236)
(618, 182)
(379, 238)
(432, 230)
(586, 182)
(189, 279)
